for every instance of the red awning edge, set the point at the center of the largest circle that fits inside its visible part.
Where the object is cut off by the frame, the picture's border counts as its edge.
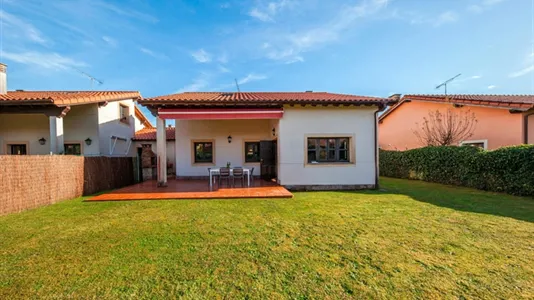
(220, 113)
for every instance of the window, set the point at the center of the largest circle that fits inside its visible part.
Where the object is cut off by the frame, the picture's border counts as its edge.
(482, 144)
(124, 113)
(17, 149)
(328, 150)
(252, 152)
(73, 149)
(203, 152)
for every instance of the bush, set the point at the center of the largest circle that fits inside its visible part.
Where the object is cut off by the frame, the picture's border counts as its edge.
(509, 169)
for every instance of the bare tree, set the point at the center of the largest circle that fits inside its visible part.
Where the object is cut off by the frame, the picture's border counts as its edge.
(449, 128)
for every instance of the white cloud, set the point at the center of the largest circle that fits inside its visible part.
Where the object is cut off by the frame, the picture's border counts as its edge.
(483, 5)
(126, 12)
(223, 58)
(443, 18)
(522, 72)
(223, 69)
(111, 41)
(251, 77)
(26, 29)
(201, 56)
(153, 54)
(475, 8)
(198, 84)
(262, 16)
(225, 5)
(267, 12)
(491, 87)
(45, 60)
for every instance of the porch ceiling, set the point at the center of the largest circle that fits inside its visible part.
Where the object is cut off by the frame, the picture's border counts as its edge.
(221, 114)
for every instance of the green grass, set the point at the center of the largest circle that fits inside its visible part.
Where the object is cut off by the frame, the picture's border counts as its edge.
(412, 239)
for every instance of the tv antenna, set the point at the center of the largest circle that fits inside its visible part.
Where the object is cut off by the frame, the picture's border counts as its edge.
(93, 79)
(237, 85)
(444, 84)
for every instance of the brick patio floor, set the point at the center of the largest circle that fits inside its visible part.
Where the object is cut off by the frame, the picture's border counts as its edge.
(193, 189)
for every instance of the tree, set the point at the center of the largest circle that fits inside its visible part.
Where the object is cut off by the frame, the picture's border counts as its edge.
(443, 129)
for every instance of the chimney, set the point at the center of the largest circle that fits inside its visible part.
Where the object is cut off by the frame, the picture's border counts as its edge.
(3, 79)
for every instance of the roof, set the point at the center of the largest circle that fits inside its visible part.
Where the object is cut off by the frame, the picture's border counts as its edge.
(64, 98)
(149, 134)
(512, 102)
(142, 118)
(266, 98)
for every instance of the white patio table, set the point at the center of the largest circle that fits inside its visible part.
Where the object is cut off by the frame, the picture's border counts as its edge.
(215, 171)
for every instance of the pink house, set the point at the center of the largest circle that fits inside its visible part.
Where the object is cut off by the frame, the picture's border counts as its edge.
(502, 120)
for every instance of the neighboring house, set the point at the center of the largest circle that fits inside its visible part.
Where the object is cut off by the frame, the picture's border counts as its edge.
(303, 140)
(502, 120)
(88, 123)
(145, 143)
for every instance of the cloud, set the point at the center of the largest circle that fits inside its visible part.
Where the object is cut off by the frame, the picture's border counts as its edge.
(266, 13)
(483, 5)
(522, 72)
(153, 54)
(251, 77)
(198, 84)
(44, 60)
(223, 69)
(288, 48)
(223, 58)
(126, 12)
(26, 29)
(225, 5)
(201, 56)
(443, 18)
(262, 16)
(491, 87)
(111, 41)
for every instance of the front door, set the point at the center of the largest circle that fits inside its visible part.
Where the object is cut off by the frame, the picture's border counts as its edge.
(268, 160)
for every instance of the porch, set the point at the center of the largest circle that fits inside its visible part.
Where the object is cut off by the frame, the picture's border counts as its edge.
(193, 189)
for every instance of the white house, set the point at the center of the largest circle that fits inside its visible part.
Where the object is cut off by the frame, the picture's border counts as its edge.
(304, 140)
(91, 123)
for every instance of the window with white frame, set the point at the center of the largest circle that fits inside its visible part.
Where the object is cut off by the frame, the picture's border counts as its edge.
(482, 144)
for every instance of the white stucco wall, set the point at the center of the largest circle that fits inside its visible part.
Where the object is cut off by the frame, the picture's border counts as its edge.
(79, 124)
(218, 130)
(109, 124)
(299, 122)
(25, 128)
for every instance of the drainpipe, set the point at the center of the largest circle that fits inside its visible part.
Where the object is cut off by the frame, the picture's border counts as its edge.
(525, 126)
(381, 107)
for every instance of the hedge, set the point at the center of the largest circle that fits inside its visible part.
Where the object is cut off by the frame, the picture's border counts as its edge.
(509, 169)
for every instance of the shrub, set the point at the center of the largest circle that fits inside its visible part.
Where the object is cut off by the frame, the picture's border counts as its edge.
(509, 169)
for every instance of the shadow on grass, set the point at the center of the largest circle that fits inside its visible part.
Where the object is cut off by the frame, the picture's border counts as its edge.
(462, 199)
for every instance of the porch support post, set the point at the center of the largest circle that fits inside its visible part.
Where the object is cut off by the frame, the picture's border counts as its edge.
(161, 144)
(57, 145)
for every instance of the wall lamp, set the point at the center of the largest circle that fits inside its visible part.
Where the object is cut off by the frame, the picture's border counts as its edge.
(88, 141)
(229, 139)
(42, 141)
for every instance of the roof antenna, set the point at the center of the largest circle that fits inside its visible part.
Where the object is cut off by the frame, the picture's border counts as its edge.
(93, 79)
(237, 85)
(444, 84)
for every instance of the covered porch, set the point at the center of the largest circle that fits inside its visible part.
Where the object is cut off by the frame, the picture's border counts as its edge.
(193, 189)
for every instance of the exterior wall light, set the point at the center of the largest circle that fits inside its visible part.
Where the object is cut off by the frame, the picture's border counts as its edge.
(88, 141)
(229, 139)
(42, 141)
(274, 131)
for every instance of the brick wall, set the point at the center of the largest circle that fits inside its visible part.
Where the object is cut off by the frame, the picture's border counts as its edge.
(36, 180)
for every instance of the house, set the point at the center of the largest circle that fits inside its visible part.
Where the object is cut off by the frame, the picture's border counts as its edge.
(502, 120)
(303, 140)
(90, 123)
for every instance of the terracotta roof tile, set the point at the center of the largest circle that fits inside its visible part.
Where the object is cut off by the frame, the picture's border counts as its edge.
(518, 102)
(64, 98)
(262, 98)
(149, 134)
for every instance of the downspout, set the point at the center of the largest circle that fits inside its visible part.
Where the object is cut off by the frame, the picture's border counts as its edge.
(381, 108)
(525, 126)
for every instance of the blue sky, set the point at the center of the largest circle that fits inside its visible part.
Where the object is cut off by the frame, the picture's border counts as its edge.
(365, 47)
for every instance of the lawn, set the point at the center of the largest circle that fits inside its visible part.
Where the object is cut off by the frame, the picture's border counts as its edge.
(411, 239)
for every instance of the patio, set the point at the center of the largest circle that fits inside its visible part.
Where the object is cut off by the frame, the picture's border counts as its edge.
(193, 189)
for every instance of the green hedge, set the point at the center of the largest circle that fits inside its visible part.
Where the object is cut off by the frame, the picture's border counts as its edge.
(509, 169)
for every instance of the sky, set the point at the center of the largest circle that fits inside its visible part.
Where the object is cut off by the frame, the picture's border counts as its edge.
(361, 47)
